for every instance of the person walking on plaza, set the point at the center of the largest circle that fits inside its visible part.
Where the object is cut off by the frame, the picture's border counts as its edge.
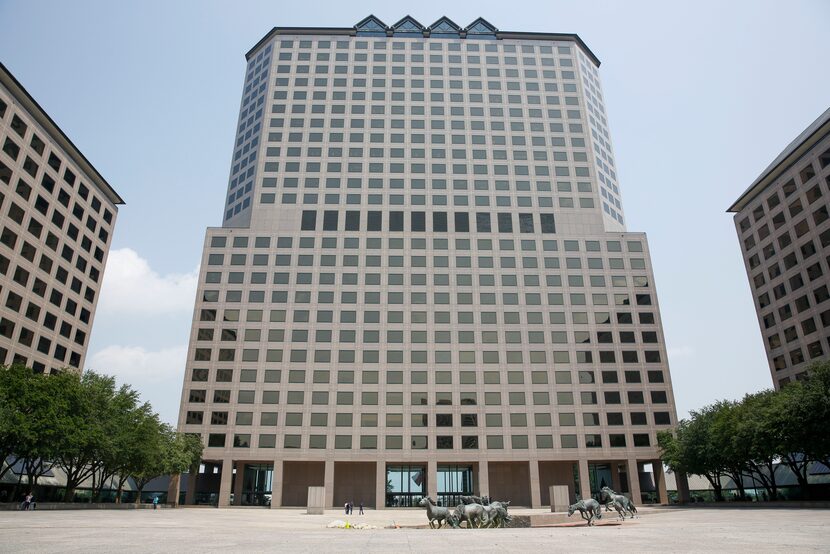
(27, 501)
(155, 502)
(361, 508)
(346, 507)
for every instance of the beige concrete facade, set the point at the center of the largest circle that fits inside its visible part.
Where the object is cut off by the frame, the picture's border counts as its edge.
(424, 284)
(57, 216)
(783, 226)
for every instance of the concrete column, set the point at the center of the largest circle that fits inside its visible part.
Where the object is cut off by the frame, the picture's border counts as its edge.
(634, 481)
(192, 479)
(660, 482)
(615, 477)
(173, 490)
(432, 479)
(483, 478)
(226, 479)
(584, 480)
(380, 487)
(276, 485)
(328, 483)
(238, 483)
(535, 487)
(682, 481)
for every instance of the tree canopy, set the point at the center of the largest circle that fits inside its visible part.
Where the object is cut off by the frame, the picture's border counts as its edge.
(746, 438)
(89, 427)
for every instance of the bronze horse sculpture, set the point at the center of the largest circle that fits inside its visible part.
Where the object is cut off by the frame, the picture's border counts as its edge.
(620, 502)
(590, 507)
(435, 514)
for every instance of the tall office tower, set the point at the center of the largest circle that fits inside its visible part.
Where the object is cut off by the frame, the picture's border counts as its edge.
(783, 228)
(56, 220)
(423, 283)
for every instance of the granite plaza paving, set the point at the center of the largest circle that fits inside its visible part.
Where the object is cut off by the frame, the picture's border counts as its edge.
(253, 530)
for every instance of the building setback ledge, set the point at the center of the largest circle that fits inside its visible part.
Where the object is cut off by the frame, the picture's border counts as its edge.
(352, 31)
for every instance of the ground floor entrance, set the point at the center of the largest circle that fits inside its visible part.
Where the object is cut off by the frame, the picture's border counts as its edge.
(405, 485)
(402, 484)
(256, 484)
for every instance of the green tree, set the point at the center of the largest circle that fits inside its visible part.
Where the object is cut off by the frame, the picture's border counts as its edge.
(121, 430)
(32, 418)
(813, 394)
(692, 449)
(140, 445)
(791, 416)
(186, 453)
(802, 415)
(14, 384)
(733, 453)
(171, 454)
(93, 429)
(92, 399)
(758, 438)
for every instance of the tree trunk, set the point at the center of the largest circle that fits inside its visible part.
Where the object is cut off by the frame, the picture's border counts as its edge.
(98, 492)
(773, 484)
(757, 476)
(120, 490)
(93, 497)
(741, 487)
(16, 490)
(714, 480)
(799, 467)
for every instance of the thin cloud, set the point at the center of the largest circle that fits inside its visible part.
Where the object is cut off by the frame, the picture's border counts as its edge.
(132, 287)
(156, 374)
(680, 352)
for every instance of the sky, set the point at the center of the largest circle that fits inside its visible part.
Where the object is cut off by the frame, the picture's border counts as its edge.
(701, 96)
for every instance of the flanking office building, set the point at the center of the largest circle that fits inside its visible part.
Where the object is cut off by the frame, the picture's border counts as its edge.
(57, 215)
(423, 283)
(783, 227)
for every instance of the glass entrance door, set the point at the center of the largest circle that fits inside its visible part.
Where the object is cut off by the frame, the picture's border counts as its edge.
(600, 476)
(405, 485)
(256, 484)
(454, 481)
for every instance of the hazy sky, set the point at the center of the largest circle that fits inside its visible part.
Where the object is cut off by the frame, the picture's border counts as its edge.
(701, 96)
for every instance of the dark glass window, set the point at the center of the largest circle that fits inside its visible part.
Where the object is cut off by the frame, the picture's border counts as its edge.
(439, 222)
(443, 420)
(505, 223)
(419, 221)
(443, 442)
(462, 222)
(374, 221)
(548, 224)
(396, 221)
(483, 223)
(353, 221)
(330, 220)
(641, 439)
(309, 220)
(526, 223)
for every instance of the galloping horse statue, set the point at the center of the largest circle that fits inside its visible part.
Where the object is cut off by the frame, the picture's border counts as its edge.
(590, 507)
(620, 502)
